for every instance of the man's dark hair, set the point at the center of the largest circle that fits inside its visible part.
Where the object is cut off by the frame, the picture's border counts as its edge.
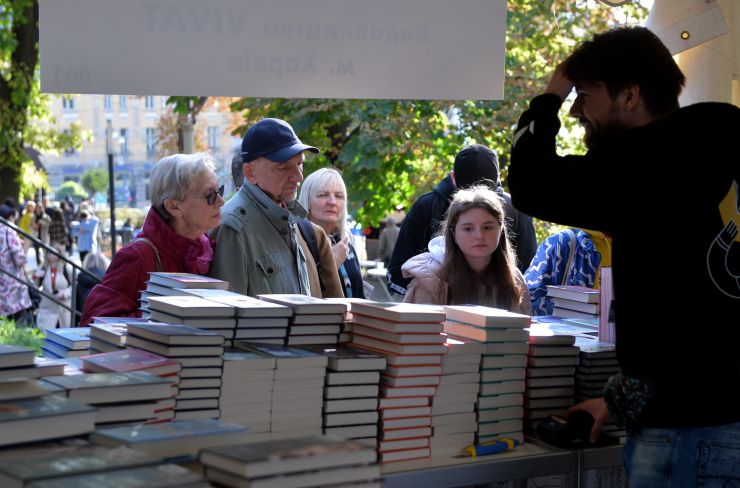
(237, 164)
(626, 56)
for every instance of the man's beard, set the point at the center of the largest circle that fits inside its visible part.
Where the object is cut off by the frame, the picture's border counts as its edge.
(606, 132)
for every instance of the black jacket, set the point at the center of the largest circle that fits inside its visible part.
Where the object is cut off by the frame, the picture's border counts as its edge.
(423, 220)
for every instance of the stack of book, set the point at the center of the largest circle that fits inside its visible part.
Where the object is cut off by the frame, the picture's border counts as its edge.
(179, 439)
(597, 363)
(295, 463)
(345, 335)
(550, 371)
(256, 320)
(454, 420)
(574, 301)
(162, 284)
(409, 337)
(201, 354)
(504, 337)
(351, 392)
(108, 334)
(117, 397)
(129, 360)
(20, 362)
(297, 391)
(28, 467)
(246, 391)
(314, 321)
(68, 342)
(195, 312)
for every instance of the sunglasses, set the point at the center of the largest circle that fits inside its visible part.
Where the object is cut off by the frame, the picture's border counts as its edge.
(212, 195)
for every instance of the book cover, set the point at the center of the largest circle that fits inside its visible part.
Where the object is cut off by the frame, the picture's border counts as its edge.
(289, 456)
(305, 304)
(190, 306)
(590, 308)
(247, 361)
(486, 334)
(244, 305)
(176, 334)
(399, 327)
(113, 387)
(285, 356)
(157, 476)
(399, 312)
(15, 356)
(46, 417)
(130, 359)
(83, 460)
(17, 388)
(573, 292)
(186, 280)
(343, 358)
(392, 347)
(486, 316)
(113, 333)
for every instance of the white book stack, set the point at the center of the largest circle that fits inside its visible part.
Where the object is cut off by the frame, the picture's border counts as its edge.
(409, 336)
(246, 392)
(294, 463)
(201, 354)
(314, 321)
(117, 397)
(108, 334)
(504, 338)
(454, 420)
(571, 301)
(256, 320)
(351, 392)
(297, 394)
(67, 342)
(196, 312)
(163, 283)
(550, 372)
(597, 363)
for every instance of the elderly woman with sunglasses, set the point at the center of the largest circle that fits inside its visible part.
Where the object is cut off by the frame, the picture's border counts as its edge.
(186, 201)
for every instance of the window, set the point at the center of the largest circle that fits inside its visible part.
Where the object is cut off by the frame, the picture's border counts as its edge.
(151, 141)
(149, 103)
(69, 151)
(68, 103)
(122, 105)
(213, 133)
(124, 142)
(107, 103)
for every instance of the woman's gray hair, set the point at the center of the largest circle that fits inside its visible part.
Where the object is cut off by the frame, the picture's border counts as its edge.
(173, 177)
(319, 180)
(96, 261)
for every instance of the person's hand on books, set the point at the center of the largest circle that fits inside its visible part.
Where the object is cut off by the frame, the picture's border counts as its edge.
(596, 407)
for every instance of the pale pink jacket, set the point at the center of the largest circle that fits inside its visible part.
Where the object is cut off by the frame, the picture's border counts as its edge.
(426, 287)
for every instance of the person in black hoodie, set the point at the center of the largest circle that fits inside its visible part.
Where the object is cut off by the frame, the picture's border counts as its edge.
(474, 164)
(651, 166)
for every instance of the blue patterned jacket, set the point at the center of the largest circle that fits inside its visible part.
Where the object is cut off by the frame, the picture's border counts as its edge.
(549, 266)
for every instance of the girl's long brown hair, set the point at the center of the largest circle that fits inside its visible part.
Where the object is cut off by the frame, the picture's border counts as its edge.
(497, 285)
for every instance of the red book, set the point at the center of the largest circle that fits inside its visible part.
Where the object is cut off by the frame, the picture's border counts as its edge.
(131, 359)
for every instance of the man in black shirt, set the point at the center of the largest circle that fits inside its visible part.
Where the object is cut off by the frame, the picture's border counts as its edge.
(653, 169)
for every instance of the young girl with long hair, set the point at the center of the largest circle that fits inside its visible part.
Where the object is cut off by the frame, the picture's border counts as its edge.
(472, 262)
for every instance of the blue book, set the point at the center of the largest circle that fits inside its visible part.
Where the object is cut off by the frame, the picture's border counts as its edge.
(74, 338)
(173, 439)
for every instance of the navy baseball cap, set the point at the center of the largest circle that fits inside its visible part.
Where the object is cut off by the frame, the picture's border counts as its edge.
(273, 139)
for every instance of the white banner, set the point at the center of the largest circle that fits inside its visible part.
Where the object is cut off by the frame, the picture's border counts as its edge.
(396, 49)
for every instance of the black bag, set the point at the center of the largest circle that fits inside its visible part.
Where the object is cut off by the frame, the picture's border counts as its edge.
(35, 295)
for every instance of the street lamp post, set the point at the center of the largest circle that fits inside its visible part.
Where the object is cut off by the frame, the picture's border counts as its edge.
(111, 186)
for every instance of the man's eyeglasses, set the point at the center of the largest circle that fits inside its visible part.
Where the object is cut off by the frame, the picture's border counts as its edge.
(212, 195)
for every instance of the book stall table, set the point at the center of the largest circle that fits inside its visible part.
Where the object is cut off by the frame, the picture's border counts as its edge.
(526, 461)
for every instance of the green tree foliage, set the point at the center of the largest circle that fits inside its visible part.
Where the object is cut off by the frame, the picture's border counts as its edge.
(75, 191)
(391, 151)
(13, 335)
(25, 120)
(95, 180)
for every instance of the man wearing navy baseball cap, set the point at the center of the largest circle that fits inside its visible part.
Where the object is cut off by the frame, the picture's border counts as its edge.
(258, 247)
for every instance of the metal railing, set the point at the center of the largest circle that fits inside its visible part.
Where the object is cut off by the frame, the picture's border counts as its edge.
(76, 269)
